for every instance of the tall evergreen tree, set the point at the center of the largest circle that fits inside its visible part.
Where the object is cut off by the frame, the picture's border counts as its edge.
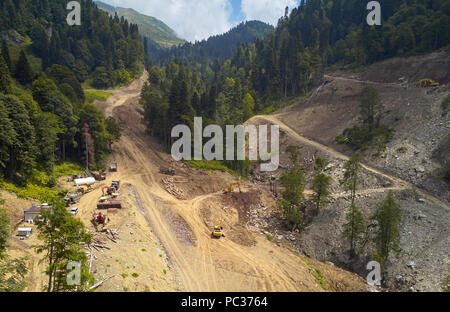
(24, 73)
(354, 229)
(6, 55)
(387, 239)
(5, 78)
(351, 178)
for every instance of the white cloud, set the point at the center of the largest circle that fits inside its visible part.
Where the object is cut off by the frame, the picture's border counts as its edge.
(191, 19)
(268, 11)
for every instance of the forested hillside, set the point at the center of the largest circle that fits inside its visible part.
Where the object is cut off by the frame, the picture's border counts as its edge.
(45, 118)
(289, 61)
(215, 48)
(149, 27)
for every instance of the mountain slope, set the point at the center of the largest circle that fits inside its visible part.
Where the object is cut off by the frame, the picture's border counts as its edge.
(219, 47)
(149, 26)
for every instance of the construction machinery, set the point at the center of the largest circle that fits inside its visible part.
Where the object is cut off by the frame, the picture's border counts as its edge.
(113, 167)
(99, 218)
(115, 185)
(218, 232)
(424, 83)
(72, 198)
(229, 189)
(167, 171)
(99, 176)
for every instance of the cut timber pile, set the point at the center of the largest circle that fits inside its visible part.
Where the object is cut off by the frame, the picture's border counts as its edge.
(99, 240)
(171, 188)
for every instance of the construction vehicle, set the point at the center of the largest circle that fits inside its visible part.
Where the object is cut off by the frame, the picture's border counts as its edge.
(229, 189)
(99, 218)
(424, 83)
(113, 167)
(99, 176)
(167, 171)
(115, 185)
(72, 198)
(218, 232)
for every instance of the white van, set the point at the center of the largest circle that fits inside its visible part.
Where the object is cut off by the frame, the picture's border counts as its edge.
(74, 211)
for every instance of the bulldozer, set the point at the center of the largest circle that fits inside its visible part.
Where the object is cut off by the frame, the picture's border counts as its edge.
(229, 189)
(218, 232)
(424, 83)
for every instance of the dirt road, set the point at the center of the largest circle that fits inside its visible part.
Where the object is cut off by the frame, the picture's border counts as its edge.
(199, 262)
(399, 184)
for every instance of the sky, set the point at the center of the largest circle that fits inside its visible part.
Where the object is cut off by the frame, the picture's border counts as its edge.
(199, 19)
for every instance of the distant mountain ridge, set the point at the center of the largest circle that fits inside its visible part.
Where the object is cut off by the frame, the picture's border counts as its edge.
(218, 47)
(149, 26)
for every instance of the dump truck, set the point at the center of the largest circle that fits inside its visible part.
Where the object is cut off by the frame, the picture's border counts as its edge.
(110, 204)
(113, 167)
(167, 171)
(72, 198)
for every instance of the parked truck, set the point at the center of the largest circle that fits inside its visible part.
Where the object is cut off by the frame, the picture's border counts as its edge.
(113, 167)
(72, 198)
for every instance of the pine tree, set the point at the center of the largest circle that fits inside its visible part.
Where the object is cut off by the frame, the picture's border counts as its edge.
(62, 237)
(24, 73)
(294, 186)
(387, 239)
(351, 178)
(321, 187)
(6, 55)
(354, 229)
(5, 78)
(371, 108)
(248, 104)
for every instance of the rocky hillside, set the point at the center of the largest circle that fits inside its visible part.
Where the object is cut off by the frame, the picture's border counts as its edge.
(412, 166)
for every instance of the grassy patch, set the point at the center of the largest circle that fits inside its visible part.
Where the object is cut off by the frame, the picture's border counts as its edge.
(124, 275)
(93, 95)
(42, 193)
(316, 274)
(135, 275)
(210, 165)
(66, 169)
(41, 186)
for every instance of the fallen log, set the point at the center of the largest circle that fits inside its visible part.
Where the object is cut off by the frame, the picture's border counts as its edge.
(100, 283)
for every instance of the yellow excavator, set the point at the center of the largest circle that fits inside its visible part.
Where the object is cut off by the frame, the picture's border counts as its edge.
(218, 232)
(424, 83)
(229, 189)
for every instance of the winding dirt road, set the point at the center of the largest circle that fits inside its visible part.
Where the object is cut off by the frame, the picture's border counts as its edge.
(398, 183)
(204, 264)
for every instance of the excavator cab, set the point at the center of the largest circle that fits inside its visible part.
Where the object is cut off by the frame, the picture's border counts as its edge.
(218, 232)
(229, 189)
